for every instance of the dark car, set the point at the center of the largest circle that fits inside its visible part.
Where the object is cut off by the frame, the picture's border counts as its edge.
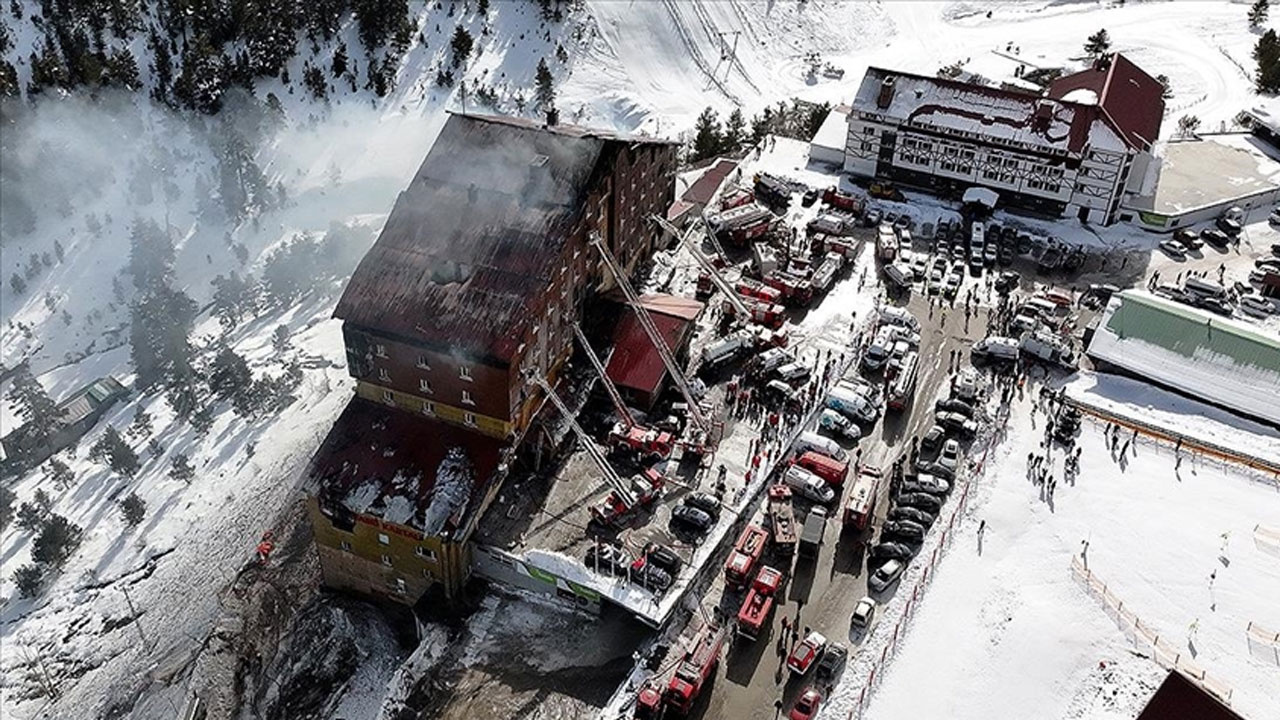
(809, 198)
(1229, 226)
(905, 529)
(927, 488)
(651, 577)
(708, 504)
(924, 501)
(1007, 281)
(891, 551)
(832, 661)
(1215, 305)
(915, 515)
(937, 469)
(956, 422)
(1006, 255)
(1268, 263)
(691, 518)
(664, 557)
(607, 559)
(1188, 238)
(1216, 238)
(954, 405)
(933, 438)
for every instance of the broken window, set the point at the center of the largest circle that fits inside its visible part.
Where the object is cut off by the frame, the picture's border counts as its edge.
(428, 408)
(425, 553)
(400, 586)
(386, 560)
(346, 546)
(422, 362)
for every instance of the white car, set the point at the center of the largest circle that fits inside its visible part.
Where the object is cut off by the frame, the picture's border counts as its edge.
(949, 457)
(863, 612)
(808, 485)
(887, 575)
(1173, 249)
(836, 424)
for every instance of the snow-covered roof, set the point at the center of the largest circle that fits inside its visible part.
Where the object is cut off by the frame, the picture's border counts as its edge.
(1222, 361)
(1084, 96)
(834, 131)
(993, 114)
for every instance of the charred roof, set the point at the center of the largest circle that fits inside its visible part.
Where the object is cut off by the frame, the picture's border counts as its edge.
(476, 233)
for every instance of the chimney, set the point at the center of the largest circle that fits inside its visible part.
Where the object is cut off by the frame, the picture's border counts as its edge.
(885, 97)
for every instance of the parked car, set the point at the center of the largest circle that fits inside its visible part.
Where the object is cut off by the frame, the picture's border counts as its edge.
(1189, 239)
(691, 518)
(899, 530)
(806, 707)
(886, 575)
(863, 613)
(926, 483)
(705, 502)
(809, 198)
(949, 457)
(1274, 217)
(1215, 237)
(1229, 226)
(891, 551)
(955, 405)
(924, 501)
(903, 222)
(872, 218)
(652, 578)
(832, 422)
(956, 422)
(952, 286)
(607, 559)
(1173, 249)
(933, 438)
(833, 661)
(1007, 281)
(664, 557)
(805, 654)
(916, 515)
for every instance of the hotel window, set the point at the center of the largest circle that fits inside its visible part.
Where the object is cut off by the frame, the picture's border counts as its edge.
(428, 408)
(425, 385)
(383, 375)
(422, 362)
(469, 419)
(467, 399)
(380, 350)
(388, 397)
(400, 586)
(464, 372)
(386, 560)
(427, 574)
(425, 553)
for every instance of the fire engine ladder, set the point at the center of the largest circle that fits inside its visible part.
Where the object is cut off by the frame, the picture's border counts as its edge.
(646, 322)
(717, 279)
(620, 488)
(624, 413)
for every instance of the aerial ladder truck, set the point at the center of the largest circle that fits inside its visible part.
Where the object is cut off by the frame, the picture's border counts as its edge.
(627, 434)
(700, 436)
(625, 497)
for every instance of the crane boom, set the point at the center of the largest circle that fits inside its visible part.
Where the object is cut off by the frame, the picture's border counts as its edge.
(646, 322)
(624, 493)
(730, 294)
(623, 411)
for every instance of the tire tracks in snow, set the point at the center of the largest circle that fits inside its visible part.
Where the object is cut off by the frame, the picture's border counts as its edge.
(694, 53)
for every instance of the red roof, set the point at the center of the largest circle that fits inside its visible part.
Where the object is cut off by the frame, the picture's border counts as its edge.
(383, 462)
(635, 363)
(706, 186)
(1131, 99)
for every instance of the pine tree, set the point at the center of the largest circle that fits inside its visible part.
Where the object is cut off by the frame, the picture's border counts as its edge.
(7, 512)
(132, 509)
(17, 284)
(28, 580)
(1187, 125)
(339, 65)
(1267, 54)
(482, 7)
(1258, 13)
(59, 251)
(1164, 83)
(112, 449)
(151, 255)
(57, 542)
(229, 375)
(706, 139)
(32, 517)
(180, 468)
(1098, 44)
(280, 339)
(40, 414)
(545, 94)
(735, 131)
(461, 45)
(60, 474)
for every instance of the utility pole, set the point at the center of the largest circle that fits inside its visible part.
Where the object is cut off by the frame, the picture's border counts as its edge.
(137, 617)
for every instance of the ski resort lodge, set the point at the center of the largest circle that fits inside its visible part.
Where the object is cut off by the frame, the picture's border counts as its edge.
(472, 288)
(1073, 152)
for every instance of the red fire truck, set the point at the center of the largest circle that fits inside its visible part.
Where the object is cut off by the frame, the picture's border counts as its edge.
(757, 290)
(795, 291)
(762, 313)
(861, 507)
(742, 224)
(695, 668)
(644, 441)
(742, 561)
(837, 199)
(758, 605)
(782, 518)
(736, 198)
(705, 285)
(646, 487)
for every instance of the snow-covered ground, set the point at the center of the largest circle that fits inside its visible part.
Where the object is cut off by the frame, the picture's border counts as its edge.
(1004, 630)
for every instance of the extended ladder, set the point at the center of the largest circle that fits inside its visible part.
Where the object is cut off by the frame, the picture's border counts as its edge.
(620, 488)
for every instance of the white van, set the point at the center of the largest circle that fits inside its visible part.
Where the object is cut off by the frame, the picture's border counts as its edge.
(808, 485)
(810, 440)
(900, 276)
(1000, 349)
(792, 371)
(772, 358)
(1041, 307)
(852, 404)
(730, 348)
(893, 315)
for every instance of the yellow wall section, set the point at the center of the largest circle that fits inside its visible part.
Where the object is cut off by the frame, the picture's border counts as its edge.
(490, 426)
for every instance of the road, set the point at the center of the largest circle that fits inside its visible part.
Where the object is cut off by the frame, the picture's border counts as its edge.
(821, 594)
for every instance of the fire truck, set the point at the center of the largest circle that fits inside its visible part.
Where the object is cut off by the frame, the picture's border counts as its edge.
(837, 199)
(736, 198)
(645, 488)
(695, 668)
(758, 605)
(645, 442)
(861, 507)
(705, 285)
(762, 313)
(824, 277)
(772, 190)
(796, 291)
(782, 518)
(742, 224)
(746, 553)
(757, 290)
(886, 244)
